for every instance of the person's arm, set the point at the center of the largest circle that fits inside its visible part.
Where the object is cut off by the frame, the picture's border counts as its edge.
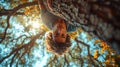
(41, 5)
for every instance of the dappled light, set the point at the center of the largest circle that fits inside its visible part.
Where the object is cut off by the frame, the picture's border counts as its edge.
(95, 43)
(35, 24)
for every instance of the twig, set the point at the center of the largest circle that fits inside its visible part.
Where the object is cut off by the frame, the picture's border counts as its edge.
(80, 59)
(66, 60)
(12, 60)
(54, 58)
(88, 49)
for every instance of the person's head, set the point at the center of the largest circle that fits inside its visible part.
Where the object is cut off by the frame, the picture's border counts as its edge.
(56, 47)
(58, 40)
(59, 31)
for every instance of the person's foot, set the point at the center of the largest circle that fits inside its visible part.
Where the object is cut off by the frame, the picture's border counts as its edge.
(49, 2)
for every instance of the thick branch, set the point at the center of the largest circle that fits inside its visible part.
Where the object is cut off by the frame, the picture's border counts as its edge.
(7, 12)
(14, 12)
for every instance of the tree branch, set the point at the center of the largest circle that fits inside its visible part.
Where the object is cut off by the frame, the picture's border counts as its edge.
(65, 58)
(88, 49)
(13, 12)
(7, 12)
(12, 60)
(54, 58)
(80, 59)
(29, 45)
(5, 32)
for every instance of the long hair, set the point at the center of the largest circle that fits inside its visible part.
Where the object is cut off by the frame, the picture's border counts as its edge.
(56, 48)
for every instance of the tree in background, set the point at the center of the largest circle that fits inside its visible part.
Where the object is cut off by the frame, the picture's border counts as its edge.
(95, 43)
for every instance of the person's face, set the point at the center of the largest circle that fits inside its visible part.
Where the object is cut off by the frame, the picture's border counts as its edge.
(59, 31)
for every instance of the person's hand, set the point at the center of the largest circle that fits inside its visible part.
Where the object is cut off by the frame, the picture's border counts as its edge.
(49, 2)
(41, 5)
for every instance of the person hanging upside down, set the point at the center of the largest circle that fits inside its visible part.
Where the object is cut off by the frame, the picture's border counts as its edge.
(57, 40)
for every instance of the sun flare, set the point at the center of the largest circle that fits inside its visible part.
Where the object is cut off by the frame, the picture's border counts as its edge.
(36, 25)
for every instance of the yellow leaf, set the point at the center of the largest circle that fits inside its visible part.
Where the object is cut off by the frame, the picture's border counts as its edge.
(26, 12)
(97, 41)
(96, 54)
(79, 30)
(73, 35)
(102, 51)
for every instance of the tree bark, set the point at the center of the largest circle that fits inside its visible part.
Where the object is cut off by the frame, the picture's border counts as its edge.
(100, 18)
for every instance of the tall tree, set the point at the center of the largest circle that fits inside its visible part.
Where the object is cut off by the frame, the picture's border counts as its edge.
(94, 43)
